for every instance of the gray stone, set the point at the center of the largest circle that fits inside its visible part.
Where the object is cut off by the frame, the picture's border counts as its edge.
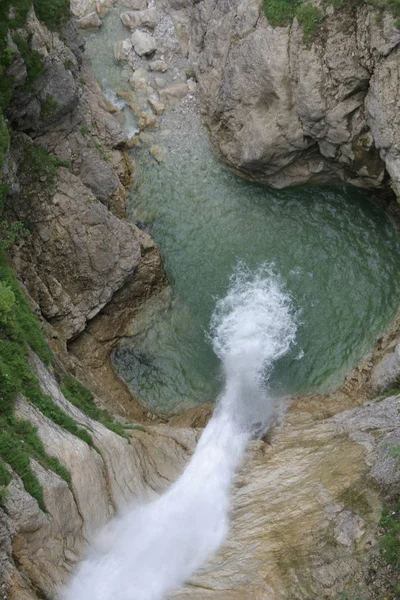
(143, 43)
(386, 373)
(156, 106)
(140, 18)
(174, 93)
(158, 65)
(123, 50)
(90, 21)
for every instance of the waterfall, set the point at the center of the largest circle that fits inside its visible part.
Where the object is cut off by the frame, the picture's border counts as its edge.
(156, 547)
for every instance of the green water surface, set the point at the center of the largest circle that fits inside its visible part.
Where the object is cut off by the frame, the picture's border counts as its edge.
(336, 252)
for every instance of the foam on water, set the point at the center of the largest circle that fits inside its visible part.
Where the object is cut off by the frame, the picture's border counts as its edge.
(156, 547)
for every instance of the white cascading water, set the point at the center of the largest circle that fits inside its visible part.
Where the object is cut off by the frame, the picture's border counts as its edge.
(156, 547)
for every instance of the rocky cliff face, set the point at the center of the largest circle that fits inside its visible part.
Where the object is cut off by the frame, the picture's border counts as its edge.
(81, 257)
(285, 112)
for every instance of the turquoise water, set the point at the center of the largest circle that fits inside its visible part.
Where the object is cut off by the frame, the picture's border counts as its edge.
(335, 252)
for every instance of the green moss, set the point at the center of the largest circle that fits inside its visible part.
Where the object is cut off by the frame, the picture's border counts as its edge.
(5, 475)
(310, 19)
(19, 330)
(37, 163)
(390, 542)
(13, 452)
(49, 106)
(4, 139)
(33, 60)
(83, 399)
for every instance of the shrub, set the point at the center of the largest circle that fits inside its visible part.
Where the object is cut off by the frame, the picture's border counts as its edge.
(54, 13)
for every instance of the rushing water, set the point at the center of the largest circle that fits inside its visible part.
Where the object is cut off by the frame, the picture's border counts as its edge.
(156, 547)
(335, 251)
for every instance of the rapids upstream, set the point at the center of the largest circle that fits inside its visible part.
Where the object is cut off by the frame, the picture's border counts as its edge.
(156, 547)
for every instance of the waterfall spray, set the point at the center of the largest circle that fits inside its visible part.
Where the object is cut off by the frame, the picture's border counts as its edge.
(156, 547)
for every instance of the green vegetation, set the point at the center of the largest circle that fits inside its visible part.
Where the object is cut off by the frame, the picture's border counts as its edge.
(38, 163)
(390, 542)
(49, 106)
(85, 129)
(54, 13)
(4, 139)
(11, 233)
(19, 331)
(81, 397)
(310, 19)
(282, 12)
(32, 59)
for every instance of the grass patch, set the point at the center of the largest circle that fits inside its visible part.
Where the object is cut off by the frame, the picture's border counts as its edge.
(390, 542)
(310, 18)
(19, 330)
(282, 12)
(83, 399)
(49, 106)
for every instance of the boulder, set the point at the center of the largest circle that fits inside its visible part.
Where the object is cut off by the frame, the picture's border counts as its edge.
(147, 120)
(133, 4)
(158, 65)
(156, 106)
(143, 43)
(140, 18)
(174, 93)
(79, 8)
(90, 21)
(123, 50)
(386, 373)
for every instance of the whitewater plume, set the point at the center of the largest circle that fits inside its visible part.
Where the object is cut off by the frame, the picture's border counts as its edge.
(156, 547)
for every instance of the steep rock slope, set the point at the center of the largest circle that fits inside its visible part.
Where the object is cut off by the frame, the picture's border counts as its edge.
(284, 111)
(67, 170)
(39, 549)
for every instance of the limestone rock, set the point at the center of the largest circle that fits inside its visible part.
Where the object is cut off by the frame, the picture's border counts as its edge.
(156, 106)
(90, 21)
(158, 153)
(386, 373)
(79, 8)
(140, 18)
(174, 93)
(143, 43)
(87, 257)
(147, 121)
(123, 50)
(133, 4)
(158, 65)
(284, 112)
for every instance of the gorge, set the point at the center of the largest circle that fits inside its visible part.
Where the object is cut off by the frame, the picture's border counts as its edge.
(308, 500)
